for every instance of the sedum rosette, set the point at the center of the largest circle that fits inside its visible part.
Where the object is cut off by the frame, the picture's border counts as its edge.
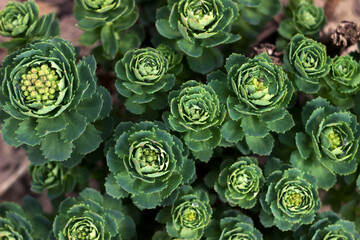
(198, 26)
(307, 20)
(328, 226)
(256, 92)
(173, 57)
(105, 20)
(21, 22)
(48, 102)
(305, 61)
(232, 226)
(239, 182)
(289, 199)
(147, 163)
(195, 111)
(329, 144)
(143, 79)
(188, 216)
(23, 223)
(51, 177)
(93, 216)
(342, 82)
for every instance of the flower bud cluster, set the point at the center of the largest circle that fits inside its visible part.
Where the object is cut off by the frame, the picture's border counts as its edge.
(40, 84)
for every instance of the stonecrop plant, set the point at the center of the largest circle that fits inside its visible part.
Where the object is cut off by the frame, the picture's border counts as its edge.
(180, 120)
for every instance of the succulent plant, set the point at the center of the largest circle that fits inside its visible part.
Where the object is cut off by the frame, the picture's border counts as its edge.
(306, 62)
(290, 199)
(329, 144)
(342, 82)
(195, 110)
(21, 22)
(93, 216)
(256, 92)
(147, 163)
(50, 102)
(188, 216)
(239, 182)
(104, 20)
(143, 79)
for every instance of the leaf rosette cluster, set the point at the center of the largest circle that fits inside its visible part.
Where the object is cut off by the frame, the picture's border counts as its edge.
(290, 199)
(256, 92)
(21, 22)
(188, 216)
(23, 223)
(305, 61)
(343, 81)
(148, 163)
(174, 58)
(143, 79)
(197, 24)
(50, 102)
(239, 182)
(329, 145)
(233, 228)
(328, 225)
(195, 111)
(93, 216)
(51, 177)
(104, 20)
(307, 20)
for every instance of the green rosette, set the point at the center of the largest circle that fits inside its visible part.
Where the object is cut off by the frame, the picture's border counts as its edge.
(197, 27)
(173, 57)
(290, 199)
(328, 225)
(188, 216)
(93, 216)
(143, 79)
(342, 82)
(306, 62)
(195, 111)
(256, 92)
(21, 22)
(23, 223)
(239, 182)
(307, 20)
(49, 101)
(233, 227)
(147, 163)
(329, 144)
(53, 178)
(105, 20)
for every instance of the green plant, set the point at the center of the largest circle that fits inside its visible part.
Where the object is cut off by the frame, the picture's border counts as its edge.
(239, 182)
(93, 216)
(329, 144)
(328, 225)
(52, 177)
(305, 61)
(21, 22)
(188, 216)
(147, 163)
(290, 197)
(307, 20)
(198, 25)
(196, 112)
(105, 21)
(48, 101)
(23, 223)
(256, 92)
(143, 79)
(342, 82)
(233, 227)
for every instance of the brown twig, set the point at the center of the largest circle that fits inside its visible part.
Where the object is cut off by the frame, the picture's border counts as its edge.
(21, 170)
